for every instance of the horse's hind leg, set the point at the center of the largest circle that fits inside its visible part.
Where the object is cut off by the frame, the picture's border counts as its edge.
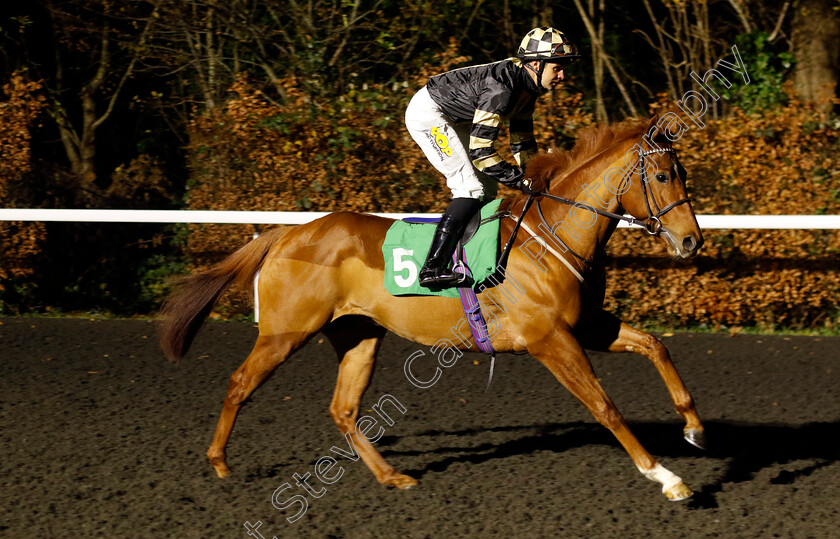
(565, 358)
(356, 340)
(268, 353)
(626, 338)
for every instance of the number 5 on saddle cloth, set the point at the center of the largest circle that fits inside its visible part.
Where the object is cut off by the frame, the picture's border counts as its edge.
(405, 248)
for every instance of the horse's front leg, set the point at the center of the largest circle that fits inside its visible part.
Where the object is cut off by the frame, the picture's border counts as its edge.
(608, 333)
(567, 361)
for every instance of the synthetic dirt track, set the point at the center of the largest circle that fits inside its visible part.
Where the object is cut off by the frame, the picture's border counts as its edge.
(101, 436)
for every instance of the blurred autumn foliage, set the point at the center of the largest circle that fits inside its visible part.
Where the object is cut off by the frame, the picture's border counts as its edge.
(275, 106)
(780, 161)
(350, 152)
(20, 105)
(116, 262)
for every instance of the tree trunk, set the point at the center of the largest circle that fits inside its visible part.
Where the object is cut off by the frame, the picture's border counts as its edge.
(100, 92)
(598, 43)
(816, 33)
(598, 62)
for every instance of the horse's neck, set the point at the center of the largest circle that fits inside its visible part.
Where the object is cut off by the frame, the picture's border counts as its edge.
(583, 230)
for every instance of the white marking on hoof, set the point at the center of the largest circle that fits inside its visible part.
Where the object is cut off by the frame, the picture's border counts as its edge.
(661, 474)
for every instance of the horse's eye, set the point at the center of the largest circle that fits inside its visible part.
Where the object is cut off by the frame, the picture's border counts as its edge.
(662, 178)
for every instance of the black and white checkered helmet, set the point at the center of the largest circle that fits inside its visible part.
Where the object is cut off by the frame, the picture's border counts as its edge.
(549, 44)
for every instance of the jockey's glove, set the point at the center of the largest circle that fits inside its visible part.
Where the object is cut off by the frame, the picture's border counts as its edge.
(520, 182)
(526, 185)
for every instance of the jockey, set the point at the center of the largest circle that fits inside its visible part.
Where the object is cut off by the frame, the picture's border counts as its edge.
(455, 120)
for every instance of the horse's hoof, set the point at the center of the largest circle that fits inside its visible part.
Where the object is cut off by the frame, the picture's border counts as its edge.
(219, 465)
(695, 437)
(401, 481)
(678, 492)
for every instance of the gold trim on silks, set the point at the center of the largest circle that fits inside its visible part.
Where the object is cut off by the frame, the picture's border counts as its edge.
(526, 155)
(490, 119)
(478, 142)
(519, 139)
(483, 163)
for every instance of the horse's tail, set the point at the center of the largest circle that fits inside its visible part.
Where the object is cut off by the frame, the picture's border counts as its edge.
(195, 295)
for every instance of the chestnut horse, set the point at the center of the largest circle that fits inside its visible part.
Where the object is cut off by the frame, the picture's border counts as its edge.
(327, 276)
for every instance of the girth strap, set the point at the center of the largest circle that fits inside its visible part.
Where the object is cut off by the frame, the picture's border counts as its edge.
(472, 310)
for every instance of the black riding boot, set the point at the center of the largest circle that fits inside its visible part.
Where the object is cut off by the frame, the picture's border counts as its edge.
(435, 272)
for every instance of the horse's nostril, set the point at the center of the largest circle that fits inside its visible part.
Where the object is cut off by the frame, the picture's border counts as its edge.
(689, 243)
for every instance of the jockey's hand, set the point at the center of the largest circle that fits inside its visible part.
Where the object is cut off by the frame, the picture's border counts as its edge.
(526, 185)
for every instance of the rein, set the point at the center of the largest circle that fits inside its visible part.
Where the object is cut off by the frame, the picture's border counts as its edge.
(652, 224)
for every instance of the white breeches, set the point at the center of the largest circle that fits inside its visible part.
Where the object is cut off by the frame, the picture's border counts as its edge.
(446, 146)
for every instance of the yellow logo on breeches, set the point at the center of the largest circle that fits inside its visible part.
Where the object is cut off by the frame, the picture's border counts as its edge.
(442, 141)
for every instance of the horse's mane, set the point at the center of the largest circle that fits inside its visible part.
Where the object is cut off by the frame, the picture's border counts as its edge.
(590, 141)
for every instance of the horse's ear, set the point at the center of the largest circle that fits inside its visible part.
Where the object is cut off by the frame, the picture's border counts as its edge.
(654, 132)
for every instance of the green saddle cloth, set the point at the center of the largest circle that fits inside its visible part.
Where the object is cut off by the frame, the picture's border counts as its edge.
(406, 245)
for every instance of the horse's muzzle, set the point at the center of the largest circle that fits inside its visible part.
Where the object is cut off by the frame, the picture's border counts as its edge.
(686, 247)
(690, 245)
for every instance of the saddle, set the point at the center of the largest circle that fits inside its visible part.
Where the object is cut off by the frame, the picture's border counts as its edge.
(407, 242)
(476, 257)
(458, 258)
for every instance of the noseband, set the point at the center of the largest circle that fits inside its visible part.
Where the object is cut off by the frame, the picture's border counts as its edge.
(652, 224)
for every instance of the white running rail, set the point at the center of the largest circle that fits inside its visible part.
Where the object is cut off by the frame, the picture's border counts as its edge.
(767, 222)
